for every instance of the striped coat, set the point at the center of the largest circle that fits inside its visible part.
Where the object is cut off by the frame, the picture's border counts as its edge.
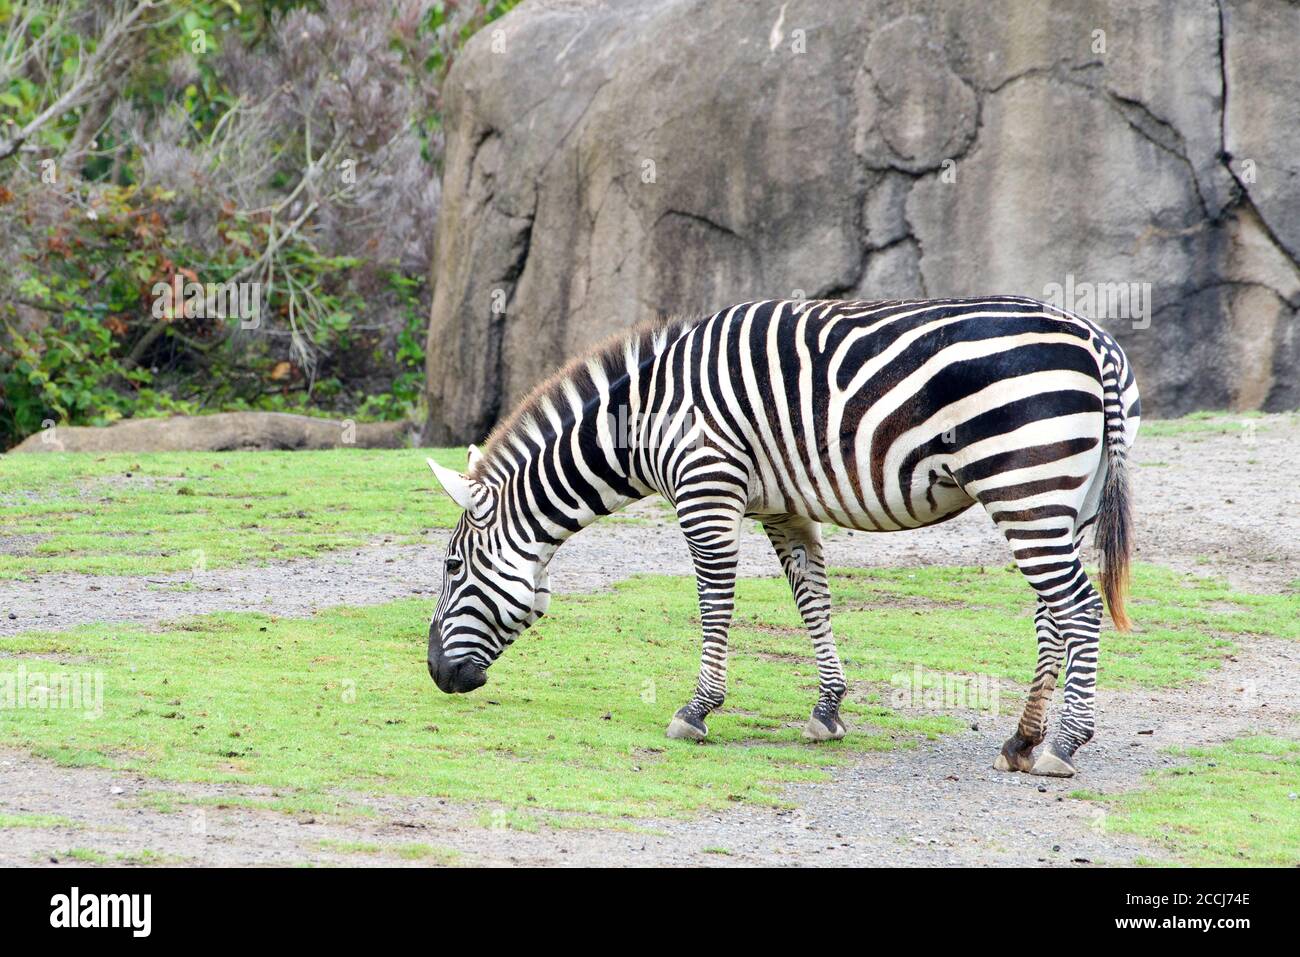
(879, 416)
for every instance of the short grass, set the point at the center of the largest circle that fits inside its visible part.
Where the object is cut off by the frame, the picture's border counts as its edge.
(1197, 425)
(350, 847)
(34, 820)
(1231, 805)
(440, 856)
(169, 512)
(328, 709)
(428, 853)
(86, 855)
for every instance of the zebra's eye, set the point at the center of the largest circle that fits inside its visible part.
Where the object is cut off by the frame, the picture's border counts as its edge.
(454, 565)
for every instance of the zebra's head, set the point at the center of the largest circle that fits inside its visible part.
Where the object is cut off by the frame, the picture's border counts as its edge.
(491, 589)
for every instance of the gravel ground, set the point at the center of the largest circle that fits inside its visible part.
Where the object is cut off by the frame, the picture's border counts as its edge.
(938, 804)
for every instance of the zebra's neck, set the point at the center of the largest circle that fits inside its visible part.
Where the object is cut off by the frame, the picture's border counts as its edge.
(572, 452)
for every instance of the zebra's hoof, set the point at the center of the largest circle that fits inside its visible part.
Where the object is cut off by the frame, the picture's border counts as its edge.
(1052, 765)
(1017, 754)
(829, 728)
(685, 727)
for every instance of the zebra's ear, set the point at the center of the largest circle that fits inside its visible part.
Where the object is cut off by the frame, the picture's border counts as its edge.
(455, 484)
(475, 457)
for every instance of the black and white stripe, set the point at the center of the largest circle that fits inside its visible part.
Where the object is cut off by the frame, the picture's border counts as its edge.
(879, 416)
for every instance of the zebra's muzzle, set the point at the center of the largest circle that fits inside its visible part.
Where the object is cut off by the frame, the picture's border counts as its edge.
(453, 675)
(458, 677)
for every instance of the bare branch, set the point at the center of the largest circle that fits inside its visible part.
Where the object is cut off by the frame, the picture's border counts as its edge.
(90, 72)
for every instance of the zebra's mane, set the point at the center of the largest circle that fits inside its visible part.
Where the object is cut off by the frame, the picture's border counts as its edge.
(646, 337)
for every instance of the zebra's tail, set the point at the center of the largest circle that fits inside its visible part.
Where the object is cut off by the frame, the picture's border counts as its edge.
(1114, 534)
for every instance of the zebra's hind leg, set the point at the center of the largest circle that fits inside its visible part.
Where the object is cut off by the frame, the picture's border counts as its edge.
(1049, 560)
(798, 545)
(1080, 625)
(1018, 751)
(710, 519)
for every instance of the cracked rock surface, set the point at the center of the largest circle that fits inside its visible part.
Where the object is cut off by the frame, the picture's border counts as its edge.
(610, 161)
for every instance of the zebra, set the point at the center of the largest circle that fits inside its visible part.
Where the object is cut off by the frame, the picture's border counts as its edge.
(878, 416)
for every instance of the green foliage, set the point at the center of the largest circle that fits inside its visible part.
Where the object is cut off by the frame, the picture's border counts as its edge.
(73, 368)
(79, 369)
(84, 343)
(408, 385)
(442, 17)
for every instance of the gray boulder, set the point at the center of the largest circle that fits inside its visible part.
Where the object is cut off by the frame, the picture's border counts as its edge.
(609, 161)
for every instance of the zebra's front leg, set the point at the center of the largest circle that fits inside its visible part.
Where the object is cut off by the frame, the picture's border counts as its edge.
(798, 545)
(712, 528)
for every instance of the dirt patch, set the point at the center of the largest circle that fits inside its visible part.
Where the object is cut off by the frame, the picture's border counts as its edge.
(915, 603)
(20, 544)
(789, 658)
(134, 481)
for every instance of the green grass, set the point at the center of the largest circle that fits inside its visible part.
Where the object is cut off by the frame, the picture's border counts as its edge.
(168, 512)
(350, 847)
(438, 856)
(326, 710)
(147, 857)
(82, 854)
(35, 820)
(1231, 805)
(85, 855)
(1196, 425)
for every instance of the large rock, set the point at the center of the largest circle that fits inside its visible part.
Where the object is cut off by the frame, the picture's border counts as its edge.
(611, 160)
